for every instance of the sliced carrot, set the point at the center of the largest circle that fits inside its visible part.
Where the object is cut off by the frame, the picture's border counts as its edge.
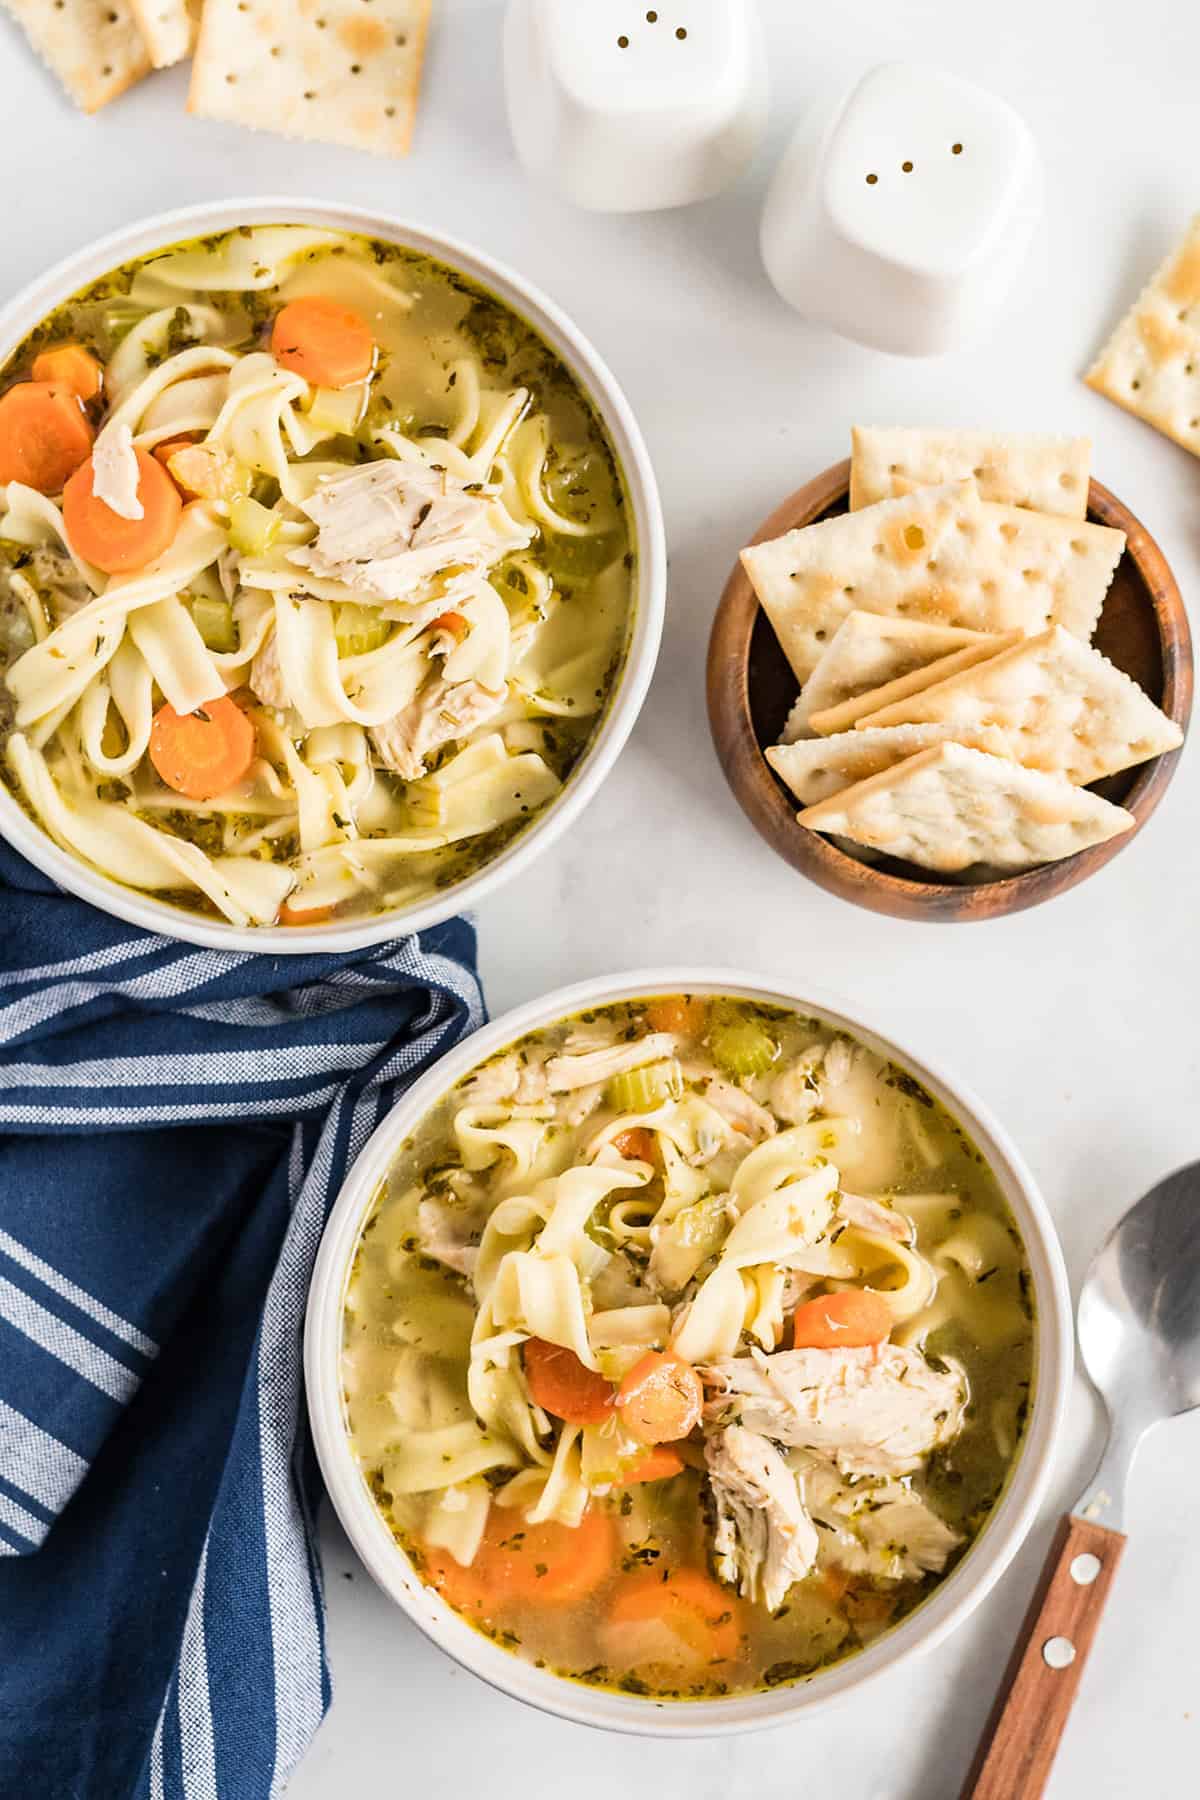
(44, 435)
(454, 623)
(115, 544)
(659, 1465)
(70, 366)
(661, 1398)
(706, 1616)
(202, 754)
(166, 450)
(328, 344)
(304, 915)
(676, 1012)
(548, 1564)
(565, 1387)
(845, 1321)
(636, 1145)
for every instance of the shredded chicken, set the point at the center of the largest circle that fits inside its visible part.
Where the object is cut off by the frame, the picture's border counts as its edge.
(738, 1108)
(443, 1234)
(567, 1072)
(764, 1539)
(876, 1411)
(437, 716)
(115, 473)
(796, 1090)
(495, 1081)
(882, 1529)
(511, 1077)
(389, 526)
(266, 677)
(874, 1216)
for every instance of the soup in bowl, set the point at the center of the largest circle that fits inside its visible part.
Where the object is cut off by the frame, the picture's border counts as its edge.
(685, 1342)
(330, 575)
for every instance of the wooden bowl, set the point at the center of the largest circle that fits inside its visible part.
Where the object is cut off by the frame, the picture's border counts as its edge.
(1143, 629)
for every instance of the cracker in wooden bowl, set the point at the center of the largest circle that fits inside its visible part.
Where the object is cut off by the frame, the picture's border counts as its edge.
(817, 768)
(1046, 474)
(867, 651)
(1151, 364)
(1051, 703)
(950, 808)
(941, 555)
(341, 72)
(841, 718)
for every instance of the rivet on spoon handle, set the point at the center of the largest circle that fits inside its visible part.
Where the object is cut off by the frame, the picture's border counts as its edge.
(1021, 1737)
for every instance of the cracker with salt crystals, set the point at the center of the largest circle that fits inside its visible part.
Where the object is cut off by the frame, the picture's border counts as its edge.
(816, 768)
(950, 808)
(941, 555)
(93, 46)
(866, 652)
(168, 28)
(840, 718)
(1045, 474)
(340, 72)
(1051, 703)
(1151, 364)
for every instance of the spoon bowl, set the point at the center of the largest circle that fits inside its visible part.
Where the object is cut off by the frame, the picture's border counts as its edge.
(1139, 1327)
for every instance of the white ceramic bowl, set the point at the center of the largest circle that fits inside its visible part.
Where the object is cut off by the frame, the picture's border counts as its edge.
(949, 1604)
(42, 296)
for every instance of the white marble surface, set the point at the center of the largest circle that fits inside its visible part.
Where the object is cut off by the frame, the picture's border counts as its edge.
(1077, 1022)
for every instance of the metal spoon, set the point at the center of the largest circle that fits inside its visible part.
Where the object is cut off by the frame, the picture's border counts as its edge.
(1139, 1334)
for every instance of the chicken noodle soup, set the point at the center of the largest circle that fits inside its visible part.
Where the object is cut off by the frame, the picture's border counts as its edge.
(315, 575)
(688, 1345)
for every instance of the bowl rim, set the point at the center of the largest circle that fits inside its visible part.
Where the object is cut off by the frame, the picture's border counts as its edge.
(772, 811)
(625, 701)
(931, 1622)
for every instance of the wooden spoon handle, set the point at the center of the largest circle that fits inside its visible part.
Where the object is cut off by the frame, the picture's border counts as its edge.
(1021, 1737)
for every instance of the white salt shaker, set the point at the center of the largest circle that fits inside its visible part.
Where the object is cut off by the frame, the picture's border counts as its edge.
(623, 106)
(902, 210)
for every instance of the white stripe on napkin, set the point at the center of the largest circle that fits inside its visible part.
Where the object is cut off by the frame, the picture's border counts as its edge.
(69, 1290)
(198, 1754)
(47, 1470)
(173, 1112)
(156, 984)
(70, 1347)
(205, 1068)
(295, 1631)
(84, 965)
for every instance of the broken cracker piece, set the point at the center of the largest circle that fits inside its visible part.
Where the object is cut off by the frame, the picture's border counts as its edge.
(1151, 363)
(168, 28)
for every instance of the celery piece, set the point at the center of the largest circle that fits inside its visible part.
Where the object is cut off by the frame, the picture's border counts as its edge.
(338, 410)
(641, 1090)
(742, 1047)
(359, 629)
(213, 619)
(252, 528)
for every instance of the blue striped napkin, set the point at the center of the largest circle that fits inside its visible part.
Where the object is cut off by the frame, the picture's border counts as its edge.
(174, 1123)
